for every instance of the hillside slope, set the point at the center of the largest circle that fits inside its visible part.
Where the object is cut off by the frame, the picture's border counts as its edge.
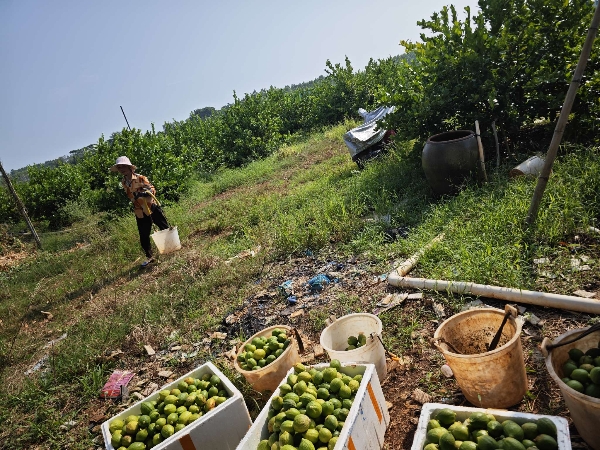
(304, 211)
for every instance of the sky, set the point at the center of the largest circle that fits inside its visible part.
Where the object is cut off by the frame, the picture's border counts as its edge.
(66, 67)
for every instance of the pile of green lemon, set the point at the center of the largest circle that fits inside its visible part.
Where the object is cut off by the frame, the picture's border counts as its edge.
(311, 408)
(262, 351)
(482, 431)
(356, 342)
(582, 371)
(171, 412)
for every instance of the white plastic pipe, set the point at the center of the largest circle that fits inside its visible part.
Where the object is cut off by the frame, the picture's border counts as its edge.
(408, 265)
(568, 302)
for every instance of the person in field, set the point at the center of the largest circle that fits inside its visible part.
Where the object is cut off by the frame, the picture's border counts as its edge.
(141, 192)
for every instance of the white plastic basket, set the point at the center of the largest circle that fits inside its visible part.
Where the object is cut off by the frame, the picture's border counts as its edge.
(220, 429)
(367, 420)
(463, 412)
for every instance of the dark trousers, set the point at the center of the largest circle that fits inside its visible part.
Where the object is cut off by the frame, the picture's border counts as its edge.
(145, 227)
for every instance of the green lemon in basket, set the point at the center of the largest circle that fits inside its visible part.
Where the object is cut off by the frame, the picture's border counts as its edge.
(141, 435)
(314, 410)
(144, 421)
(285, 438)
(285, 388)
(459, 431)
(431, 447)
(468, 445)
(169, 409)
(132, 427)
(325, 435)
(593, 390)
(327, 408)
(575, 354)
(172, 418)
(311, 435)
(335, 385)
(263, 445)
(530, 430)
(301, 423)
(300, 387)
(157, 439)
(171, 399)
(345, 392)
(527, 443)
(331, 422)
(487, 442)
(353, 385)
(595, 375)
(259, 354)
(175, 392)
(179, 426)
(306, 398)
(479, 421)
(494, 429)
(545, 442)
(332, 442)
(126, 440)
(317, 378)
(435, 434)
(167, 431)
(146, 408)
(137, 446)
(447, 441)
(433, 423)
(115, 438)
(304, 376)
(160, 422)
(291, 413)
(329, 374)
(163, 394)
(352, 340)
(513, 430)
(299, 367)
(305, 444)
(574, 384)
(446, 417)
(115, 425)
(322, 393)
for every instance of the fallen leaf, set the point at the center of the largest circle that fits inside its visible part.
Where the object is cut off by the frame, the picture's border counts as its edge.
(421, 396)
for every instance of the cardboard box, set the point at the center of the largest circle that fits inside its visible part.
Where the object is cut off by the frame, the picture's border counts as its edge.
(220, 429)
(364, 428)
(429, 410)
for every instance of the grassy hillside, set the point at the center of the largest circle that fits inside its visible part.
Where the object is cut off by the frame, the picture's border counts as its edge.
(305, 207)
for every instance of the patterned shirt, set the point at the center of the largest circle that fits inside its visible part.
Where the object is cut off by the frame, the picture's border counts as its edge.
(139, 183)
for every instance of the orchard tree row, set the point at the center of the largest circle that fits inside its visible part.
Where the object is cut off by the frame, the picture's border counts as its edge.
(511, 63)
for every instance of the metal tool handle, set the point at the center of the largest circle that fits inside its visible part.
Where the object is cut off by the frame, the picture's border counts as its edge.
(547, 346)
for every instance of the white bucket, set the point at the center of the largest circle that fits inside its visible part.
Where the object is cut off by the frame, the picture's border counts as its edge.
(167, 240)
(334, 339)
(532, 166)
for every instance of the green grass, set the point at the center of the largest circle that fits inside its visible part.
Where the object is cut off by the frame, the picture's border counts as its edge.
(307, 196)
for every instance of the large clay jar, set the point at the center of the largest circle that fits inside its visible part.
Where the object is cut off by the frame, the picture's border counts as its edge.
(448, 158)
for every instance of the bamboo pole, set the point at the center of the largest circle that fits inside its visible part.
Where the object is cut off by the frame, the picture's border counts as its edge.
(481, 156)
(497, 144)
(562, 120)
(568, 302)
(408, 265)
(21, 206)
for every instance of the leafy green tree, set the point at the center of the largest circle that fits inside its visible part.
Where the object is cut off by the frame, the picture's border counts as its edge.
(512, 63)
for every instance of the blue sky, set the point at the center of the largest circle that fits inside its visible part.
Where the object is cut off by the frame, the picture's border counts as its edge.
(67, 66)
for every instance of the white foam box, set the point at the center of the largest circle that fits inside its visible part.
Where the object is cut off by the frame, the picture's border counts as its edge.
(429, 411)
(220, 429)
(364, 428)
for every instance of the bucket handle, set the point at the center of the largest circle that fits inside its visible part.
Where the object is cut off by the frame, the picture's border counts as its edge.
(299, 340)
(547, 345)
(435, 342)
(390, 354)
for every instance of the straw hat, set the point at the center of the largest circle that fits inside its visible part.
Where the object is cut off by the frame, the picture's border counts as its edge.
(122, 161)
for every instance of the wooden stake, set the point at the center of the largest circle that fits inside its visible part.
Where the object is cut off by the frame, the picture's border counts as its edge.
(562, 120)
(481, 157)
(20, 206)
(497, 144)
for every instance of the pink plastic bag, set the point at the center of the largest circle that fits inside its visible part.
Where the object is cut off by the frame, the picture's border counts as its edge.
(116, 384)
